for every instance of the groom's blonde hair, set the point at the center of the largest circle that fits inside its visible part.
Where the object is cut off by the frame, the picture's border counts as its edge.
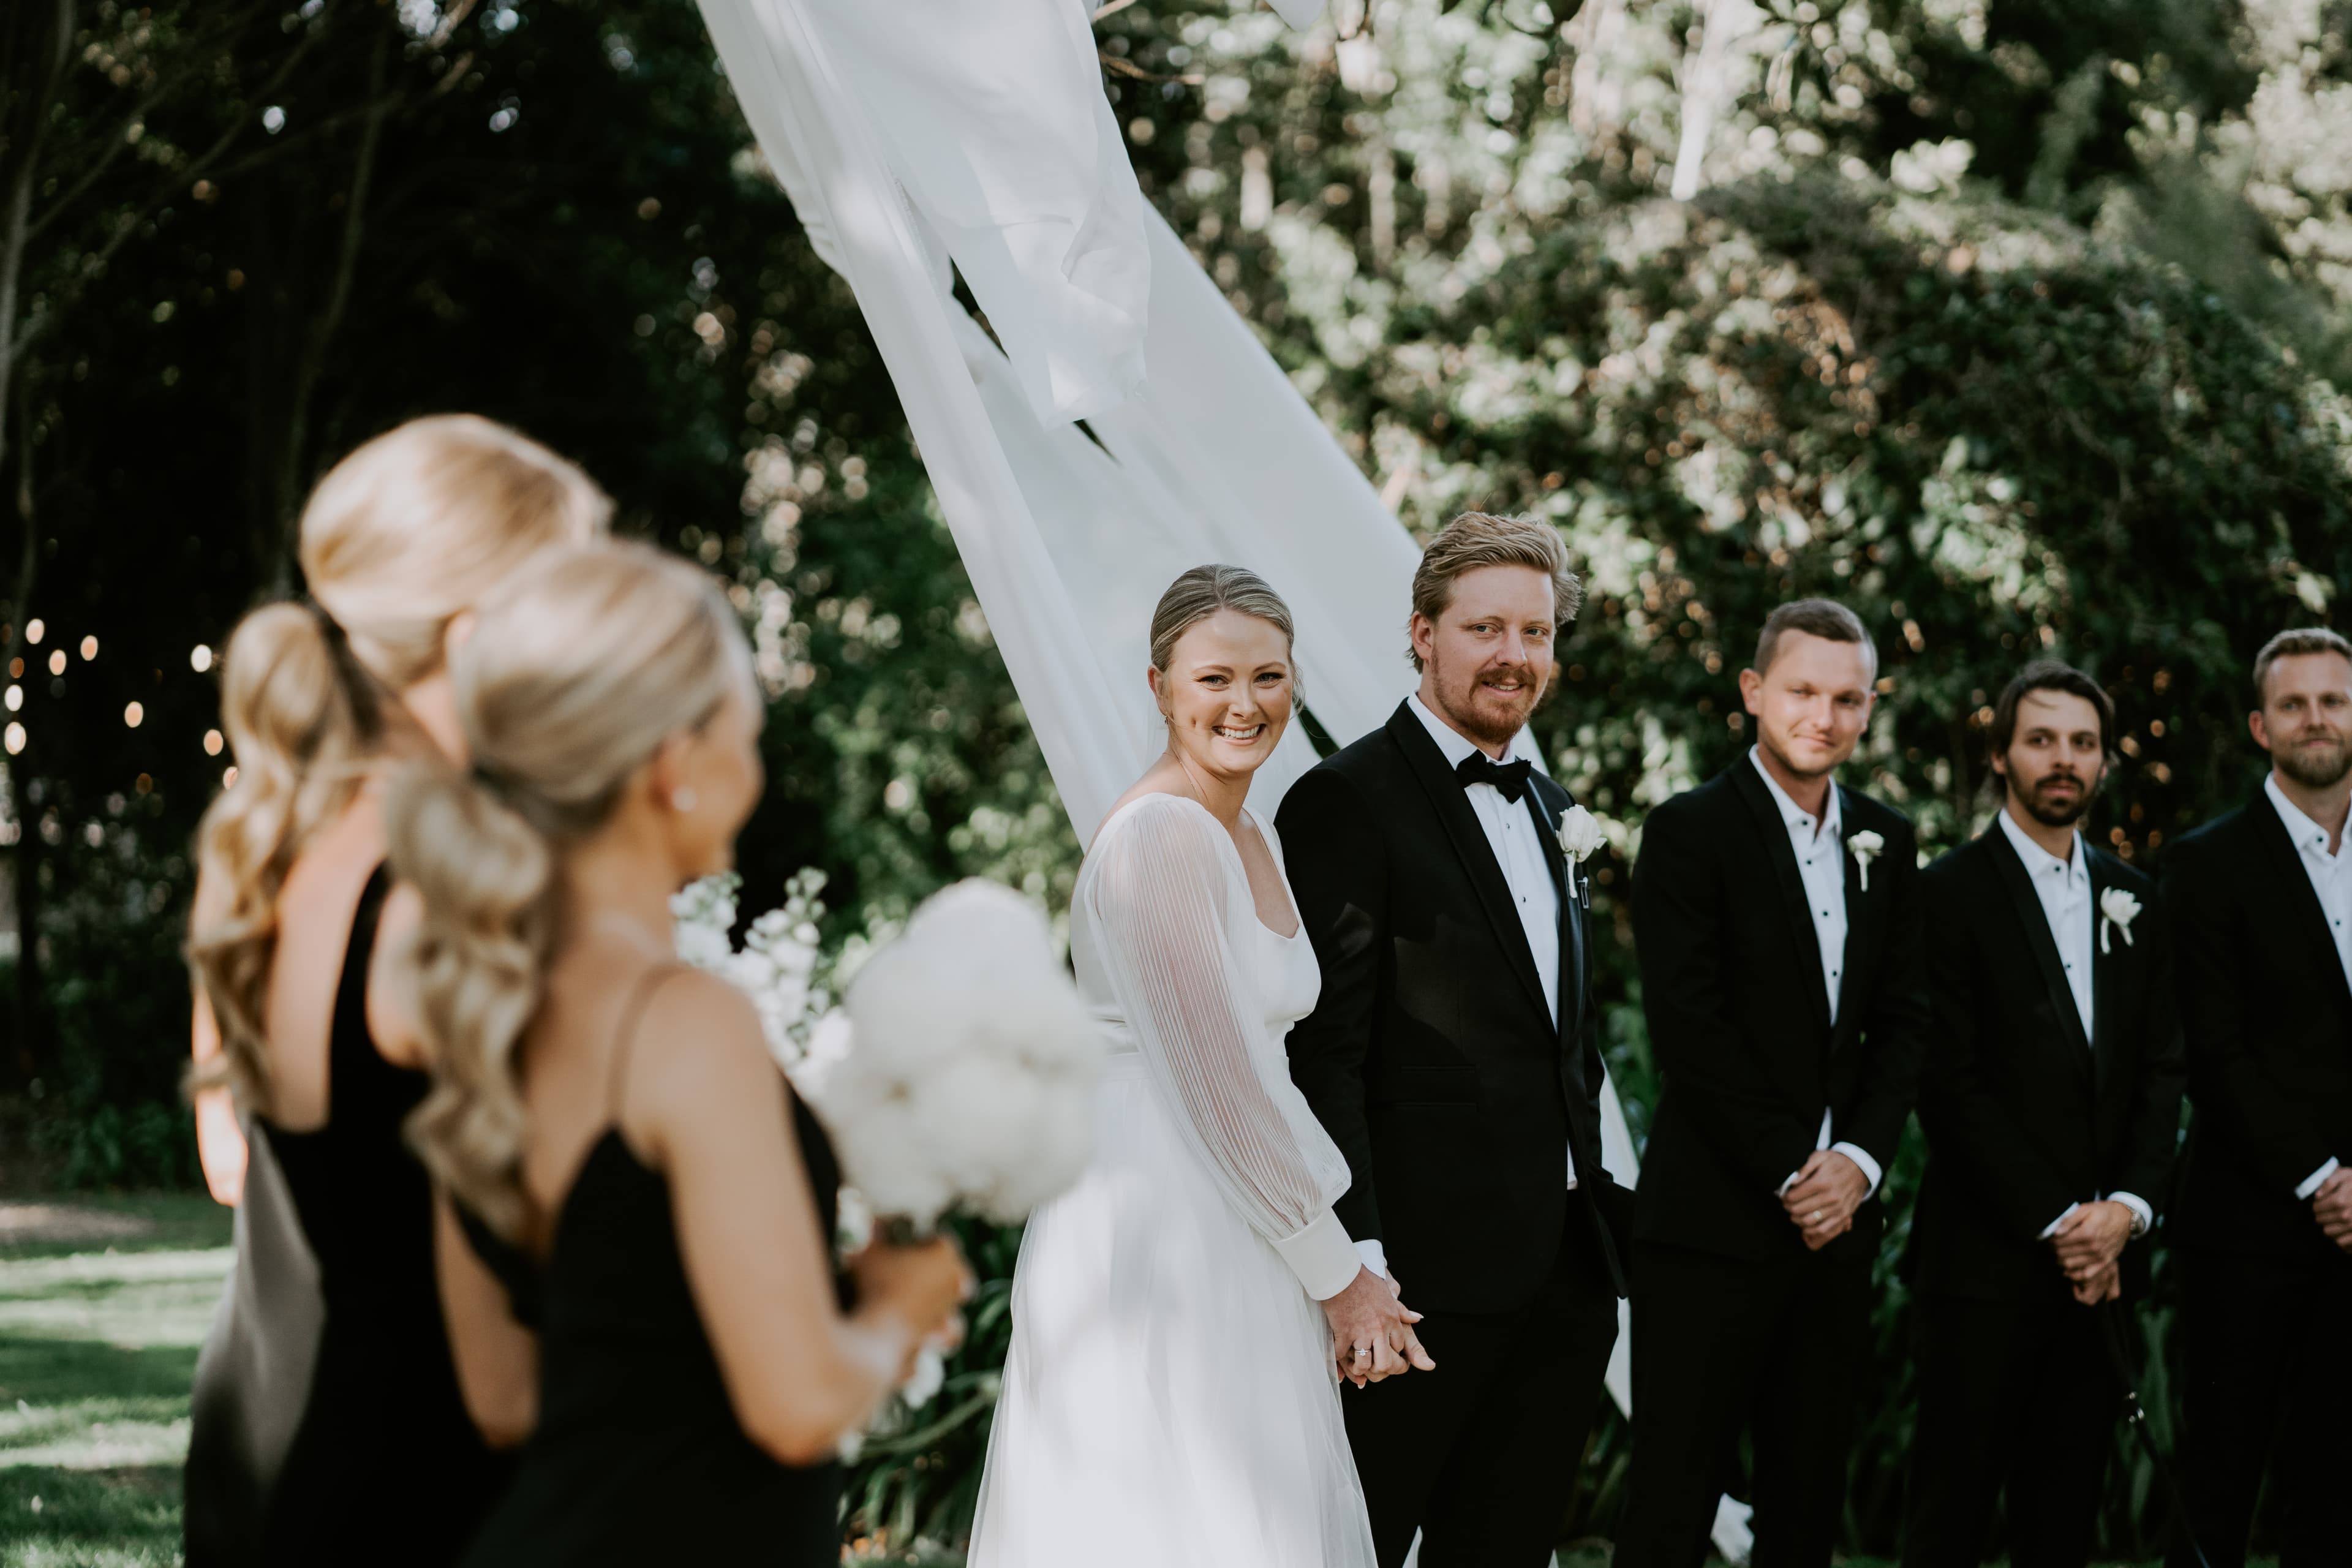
(1477, 539)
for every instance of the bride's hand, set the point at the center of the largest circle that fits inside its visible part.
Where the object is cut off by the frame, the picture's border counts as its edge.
(1371, 1332)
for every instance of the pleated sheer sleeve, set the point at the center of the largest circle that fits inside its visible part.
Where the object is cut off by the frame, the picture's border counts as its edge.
(1164, 891)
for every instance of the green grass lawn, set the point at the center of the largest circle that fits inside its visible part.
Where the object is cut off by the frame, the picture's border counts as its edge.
(104, 1301)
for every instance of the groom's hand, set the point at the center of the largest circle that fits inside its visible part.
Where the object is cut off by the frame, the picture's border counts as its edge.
(1372, 1330)
(1822, 1201)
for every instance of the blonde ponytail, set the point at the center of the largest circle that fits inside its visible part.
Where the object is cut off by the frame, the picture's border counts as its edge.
(575, 674)
(487, 877)
(301, 734)
(399, 538)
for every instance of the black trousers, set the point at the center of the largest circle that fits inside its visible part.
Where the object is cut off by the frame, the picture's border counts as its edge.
(2015, 1393)
(1481, 1454)
(2270, 1378)
(1722, 1343)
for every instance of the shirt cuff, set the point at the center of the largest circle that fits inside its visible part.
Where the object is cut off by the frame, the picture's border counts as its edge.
(1374, 1255)
(2051, 1228)
(1322, 1256)
(1860, 1157)
(2143, 1217)
(2314, 1181)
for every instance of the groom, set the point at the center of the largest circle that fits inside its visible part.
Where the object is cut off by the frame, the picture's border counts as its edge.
(1454, 1058)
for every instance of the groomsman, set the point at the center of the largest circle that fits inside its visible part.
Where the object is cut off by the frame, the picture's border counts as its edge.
(2261, 901)
(2051, 1105)
(1454, 1058)
(1777, 916)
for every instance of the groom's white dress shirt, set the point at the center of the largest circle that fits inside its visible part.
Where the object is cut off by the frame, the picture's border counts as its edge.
(1511, 833)
(1820, 846)
(2331, 878)
(2064, 887)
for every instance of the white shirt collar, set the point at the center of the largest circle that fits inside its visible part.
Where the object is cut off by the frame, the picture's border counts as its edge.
(1794, 816)
(2040, 862)
(1453, 742)
(2309, 837)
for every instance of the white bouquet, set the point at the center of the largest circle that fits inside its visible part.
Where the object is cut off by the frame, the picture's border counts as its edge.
(968, 1075)
(960, 1077)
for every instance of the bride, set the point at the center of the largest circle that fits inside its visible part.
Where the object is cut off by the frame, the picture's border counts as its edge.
(1170, 1396)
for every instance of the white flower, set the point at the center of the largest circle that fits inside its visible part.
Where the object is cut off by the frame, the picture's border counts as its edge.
(1580, 835)
(1864, 847)
(2119, 909)
(968, 1077)
(930, 1371)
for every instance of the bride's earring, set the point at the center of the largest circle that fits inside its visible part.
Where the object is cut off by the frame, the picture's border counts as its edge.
(681, 800)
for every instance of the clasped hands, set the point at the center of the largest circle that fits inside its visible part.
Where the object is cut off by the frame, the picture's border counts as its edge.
(2089, 1242)
(1372, 1330)
(1821, 1197)
(2331, 1206)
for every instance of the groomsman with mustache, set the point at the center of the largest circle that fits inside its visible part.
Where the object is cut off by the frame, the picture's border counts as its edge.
(1777, 918)
(2261, 901)
(2051, 1105)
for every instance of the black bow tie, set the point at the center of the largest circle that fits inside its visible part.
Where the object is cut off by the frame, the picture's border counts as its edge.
(1511, 777)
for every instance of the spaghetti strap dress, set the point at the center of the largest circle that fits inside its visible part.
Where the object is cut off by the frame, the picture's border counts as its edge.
(384, 1467)
(638, 1456)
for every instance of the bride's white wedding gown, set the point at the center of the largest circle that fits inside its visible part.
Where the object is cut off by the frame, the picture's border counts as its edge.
(1169, 1397)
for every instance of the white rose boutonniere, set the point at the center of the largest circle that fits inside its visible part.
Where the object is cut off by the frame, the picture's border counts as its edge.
(1580, 835)
(1864, 847)
(2118, 910)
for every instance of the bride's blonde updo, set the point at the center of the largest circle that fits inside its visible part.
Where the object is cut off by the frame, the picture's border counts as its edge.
(576, 673)
(399, 538)
(1203, 591)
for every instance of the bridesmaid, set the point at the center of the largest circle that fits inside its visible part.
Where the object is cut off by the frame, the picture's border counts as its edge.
(610, 1120)
(328, 1426)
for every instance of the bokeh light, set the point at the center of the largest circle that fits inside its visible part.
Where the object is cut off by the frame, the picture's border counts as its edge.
(213, 742)
(15, 739)
(34, 630)
(134, 714)
(200, 658)
(88, 650)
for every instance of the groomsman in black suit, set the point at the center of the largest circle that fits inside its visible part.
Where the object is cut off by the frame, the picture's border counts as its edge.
(1777, 917)
(2051, 1105)
(1454, 1058)
(2261, 902)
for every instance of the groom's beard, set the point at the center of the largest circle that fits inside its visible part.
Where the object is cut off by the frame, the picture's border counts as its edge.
(2312, 764)
(1490, 716)
(2050, 803)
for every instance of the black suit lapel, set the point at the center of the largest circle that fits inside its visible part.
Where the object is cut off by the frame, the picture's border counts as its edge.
(2107, 951)
(1571, 913)
(1797, 909)
(1447, 798)
(2287, 866)
(1855, 985)
(2026, 905)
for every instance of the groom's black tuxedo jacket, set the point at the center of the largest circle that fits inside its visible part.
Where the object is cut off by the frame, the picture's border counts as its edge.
(2024, 1115)
(1433, 1058)
(2268, 1019)
(1739, 1016)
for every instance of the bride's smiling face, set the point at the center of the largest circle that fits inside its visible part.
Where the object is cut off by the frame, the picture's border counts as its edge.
(1227, 692)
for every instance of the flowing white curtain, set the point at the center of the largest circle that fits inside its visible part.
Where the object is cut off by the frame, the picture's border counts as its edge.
(1200, 449)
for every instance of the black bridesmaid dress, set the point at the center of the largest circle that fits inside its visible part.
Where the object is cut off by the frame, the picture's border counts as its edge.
(638, 1456)
(385, 1465)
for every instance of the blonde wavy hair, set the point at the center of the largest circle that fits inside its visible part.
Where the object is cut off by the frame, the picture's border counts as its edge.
(574, 676)
(399, 538)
